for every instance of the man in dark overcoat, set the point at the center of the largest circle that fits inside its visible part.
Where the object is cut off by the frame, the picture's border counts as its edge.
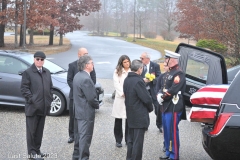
(138, 105)
(36, 87)
(85, 102)
(72, 71)
(152, 68)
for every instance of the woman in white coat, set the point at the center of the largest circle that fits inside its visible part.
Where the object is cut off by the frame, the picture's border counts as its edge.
(119, 108)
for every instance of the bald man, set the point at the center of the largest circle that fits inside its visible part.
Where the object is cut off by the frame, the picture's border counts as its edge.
(72, 71)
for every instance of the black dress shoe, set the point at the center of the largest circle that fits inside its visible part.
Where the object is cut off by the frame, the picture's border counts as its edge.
(164, 149)
(160, 130)
(70, 140)
(118, 145)
(41, 154)
(163, 157)
(38, 159)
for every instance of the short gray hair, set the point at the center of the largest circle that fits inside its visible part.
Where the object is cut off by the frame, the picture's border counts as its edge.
(82, 62)
(147, 55)
(136, 64)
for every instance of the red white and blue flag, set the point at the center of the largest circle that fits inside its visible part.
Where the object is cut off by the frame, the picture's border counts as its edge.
(209, 96)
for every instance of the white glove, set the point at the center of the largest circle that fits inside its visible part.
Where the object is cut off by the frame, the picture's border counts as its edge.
(159, 98)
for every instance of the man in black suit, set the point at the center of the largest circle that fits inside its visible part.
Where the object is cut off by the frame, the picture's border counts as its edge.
(152, 68)
(138, 105)
(36, 88)
(85, 102)
(72, 71)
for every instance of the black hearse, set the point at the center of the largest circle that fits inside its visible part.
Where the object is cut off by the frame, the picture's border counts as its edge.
(220, 138)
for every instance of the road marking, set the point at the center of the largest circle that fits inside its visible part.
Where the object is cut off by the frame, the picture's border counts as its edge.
(103, 63)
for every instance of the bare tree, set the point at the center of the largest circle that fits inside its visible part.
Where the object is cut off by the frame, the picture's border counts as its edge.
(167, 9)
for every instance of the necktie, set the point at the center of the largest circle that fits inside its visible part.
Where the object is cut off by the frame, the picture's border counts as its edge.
(40, 71)
(144, 70)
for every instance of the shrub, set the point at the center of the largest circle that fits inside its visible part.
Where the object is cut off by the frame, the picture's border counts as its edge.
(212, 45)
(150, 35)
(40, 32)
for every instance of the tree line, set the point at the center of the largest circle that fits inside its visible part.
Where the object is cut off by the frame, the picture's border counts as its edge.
(217, 20)
(120, 15)
(211, 19)
(61, 16)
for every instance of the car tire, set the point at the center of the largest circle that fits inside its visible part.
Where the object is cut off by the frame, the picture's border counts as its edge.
(58, 104)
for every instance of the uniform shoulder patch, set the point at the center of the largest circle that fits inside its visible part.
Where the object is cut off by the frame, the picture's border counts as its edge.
(177, 79)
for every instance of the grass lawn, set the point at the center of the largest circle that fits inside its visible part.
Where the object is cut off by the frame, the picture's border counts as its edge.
(40, 44)
(159, 45)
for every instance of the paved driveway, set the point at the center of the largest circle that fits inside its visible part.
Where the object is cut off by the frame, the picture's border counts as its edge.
(105, 52)
(13, 136)
(13, 127)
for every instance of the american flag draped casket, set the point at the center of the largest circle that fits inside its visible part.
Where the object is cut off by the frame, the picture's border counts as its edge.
(206, 102)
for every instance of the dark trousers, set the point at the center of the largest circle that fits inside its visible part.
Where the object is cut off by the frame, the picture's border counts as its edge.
(135, 143)
(71, 120)
(118, 131)
(34, 130)
(83, 131)
(157, 111)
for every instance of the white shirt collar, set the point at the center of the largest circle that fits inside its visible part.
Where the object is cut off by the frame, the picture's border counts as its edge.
(148, 65)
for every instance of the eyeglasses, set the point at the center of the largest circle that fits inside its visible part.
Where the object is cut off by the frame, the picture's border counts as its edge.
(38, 59)
(90, 63)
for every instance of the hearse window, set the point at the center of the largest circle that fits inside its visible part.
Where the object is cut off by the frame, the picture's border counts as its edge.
(201, 66)
(197, 69)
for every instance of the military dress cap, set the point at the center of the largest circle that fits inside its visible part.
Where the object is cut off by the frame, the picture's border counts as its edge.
(170, 54)
(39, 54)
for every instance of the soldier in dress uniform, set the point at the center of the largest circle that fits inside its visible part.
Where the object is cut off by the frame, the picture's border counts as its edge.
(171, 98)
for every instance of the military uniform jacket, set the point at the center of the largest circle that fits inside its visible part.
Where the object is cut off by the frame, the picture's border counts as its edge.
(173, 83)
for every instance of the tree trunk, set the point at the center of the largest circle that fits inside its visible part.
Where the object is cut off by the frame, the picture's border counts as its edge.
(134, 18)
(2, 30)
(16, 35)
(51, 35)
(21, 36)
(16, 24)
(61, 39)
(31, 41)
(2, 25)
(140, 29)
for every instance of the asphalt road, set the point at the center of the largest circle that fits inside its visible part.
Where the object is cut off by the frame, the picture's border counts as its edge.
(105, 52)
